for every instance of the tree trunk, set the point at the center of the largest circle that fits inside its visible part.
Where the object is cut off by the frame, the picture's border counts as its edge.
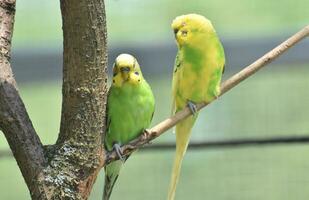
(68, 169)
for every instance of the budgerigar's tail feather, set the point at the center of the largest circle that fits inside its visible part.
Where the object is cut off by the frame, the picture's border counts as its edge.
(183, 132)
(111, 175)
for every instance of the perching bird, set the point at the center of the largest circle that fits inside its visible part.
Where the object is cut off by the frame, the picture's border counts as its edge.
(197, 75)
(130, 107)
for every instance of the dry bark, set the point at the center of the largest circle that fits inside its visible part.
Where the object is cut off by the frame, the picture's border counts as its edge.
(68, 169)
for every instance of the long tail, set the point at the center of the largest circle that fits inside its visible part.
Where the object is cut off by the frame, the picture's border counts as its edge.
(183, 132)
(111, 175)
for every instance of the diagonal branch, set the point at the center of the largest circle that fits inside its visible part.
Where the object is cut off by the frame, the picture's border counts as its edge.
(160, 128)
(14, 120)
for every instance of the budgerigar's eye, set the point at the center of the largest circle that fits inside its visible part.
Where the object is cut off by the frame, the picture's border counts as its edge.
(136, 73)
(125, 69)
(184, 33)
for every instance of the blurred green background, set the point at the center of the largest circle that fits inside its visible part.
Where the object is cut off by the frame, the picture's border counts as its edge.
(271, 103)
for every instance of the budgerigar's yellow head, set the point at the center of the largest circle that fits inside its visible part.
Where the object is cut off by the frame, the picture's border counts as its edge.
(191, 28)
(126, 70)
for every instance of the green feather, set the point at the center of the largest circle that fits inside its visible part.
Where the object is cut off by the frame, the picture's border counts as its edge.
(197, 76)
(130, 107)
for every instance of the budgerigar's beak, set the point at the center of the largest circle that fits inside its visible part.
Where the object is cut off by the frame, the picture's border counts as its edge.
(125, 71)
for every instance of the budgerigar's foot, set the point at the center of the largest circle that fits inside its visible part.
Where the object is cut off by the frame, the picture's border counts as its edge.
(146, 133)
(192, 107)
(119, 152)
(217, 93)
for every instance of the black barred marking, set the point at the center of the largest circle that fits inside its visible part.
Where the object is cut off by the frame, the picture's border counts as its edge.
(135, 61)
(115, 71)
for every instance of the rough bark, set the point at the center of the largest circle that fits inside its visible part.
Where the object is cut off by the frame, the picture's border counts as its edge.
(77, 157)
(68, 169)
(14, 120)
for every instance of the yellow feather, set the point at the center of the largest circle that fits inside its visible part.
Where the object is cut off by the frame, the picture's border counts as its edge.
(183, 132)
(197, 76)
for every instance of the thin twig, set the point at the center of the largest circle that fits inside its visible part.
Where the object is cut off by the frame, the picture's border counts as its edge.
(160, 128)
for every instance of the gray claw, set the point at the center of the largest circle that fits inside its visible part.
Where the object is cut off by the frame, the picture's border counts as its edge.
(119, 152)
(147, 131)
(192, 107)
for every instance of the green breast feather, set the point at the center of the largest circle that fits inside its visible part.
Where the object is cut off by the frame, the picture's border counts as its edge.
(130, 110)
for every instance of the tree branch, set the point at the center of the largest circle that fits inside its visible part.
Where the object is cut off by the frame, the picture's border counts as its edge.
(160, 128)
(84, 71)
(14, 120)
(77, 157)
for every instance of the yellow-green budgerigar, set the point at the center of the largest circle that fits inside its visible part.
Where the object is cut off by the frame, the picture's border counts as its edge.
(130, 107)
(197, 75)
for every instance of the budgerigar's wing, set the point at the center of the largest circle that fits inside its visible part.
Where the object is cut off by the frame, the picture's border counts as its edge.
(108, 119)
(175, 82)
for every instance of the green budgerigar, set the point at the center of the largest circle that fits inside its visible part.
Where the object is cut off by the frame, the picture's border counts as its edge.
(130, 107)
(197, 75)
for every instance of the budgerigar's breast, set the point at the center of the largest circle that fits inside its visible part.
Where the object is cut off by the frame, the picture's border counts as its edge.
(199, 75)
(130, 111)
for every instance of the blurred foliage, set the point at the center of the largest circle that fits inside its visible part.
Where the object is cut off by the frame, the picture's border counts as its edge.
(273, 102)
(139, 21)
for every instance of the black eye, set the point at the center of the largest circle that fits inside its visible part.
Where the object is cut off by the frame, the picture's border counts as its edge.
(184, 32)
(136, 73)
(125, 69)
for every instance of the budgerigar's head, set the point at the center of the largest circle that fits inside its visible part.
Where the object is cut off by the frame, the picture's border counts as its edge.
(126, 70)
(191, 29)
